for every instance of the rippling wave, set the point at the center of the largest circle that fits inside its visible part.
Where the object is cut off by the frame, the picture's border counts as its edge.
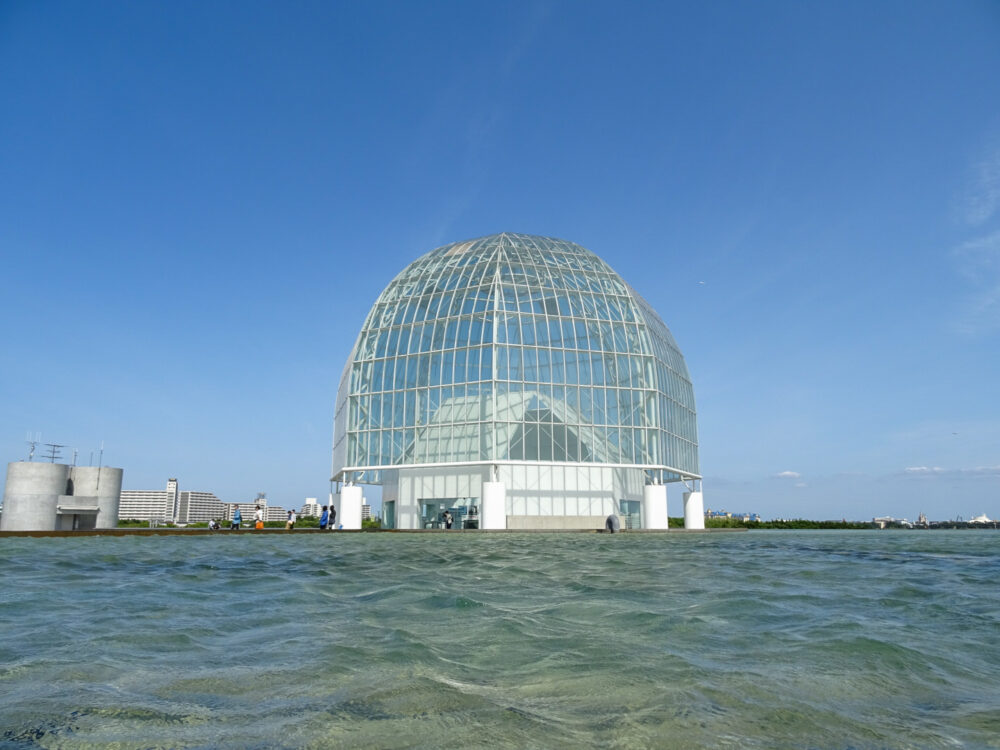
(760, 639)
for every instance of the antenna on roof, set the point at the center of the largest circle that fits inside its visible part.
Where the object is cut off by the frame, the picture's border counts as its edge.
(53, 452)
(32, 444)
(100, 462)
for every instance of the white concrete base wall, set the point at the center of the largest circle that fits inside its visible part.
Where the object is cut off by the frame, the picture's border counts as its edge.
(559, 523)
(694, 511)
(349, 512)
(493, 507)
(531, 493)
(654, 506)
(575, 490)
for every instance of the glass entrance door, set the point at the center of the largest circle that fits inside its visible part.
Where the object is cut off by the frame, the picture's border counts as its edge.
(432, 512)
(462, 509)
(630, 509)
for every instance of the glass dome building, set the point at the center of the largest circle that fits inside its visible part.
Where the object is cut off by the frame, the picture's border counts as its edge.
(516, 382)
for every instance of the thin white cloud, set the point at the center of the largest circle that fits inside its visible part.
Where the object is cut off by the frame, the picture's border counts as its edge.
(979, 262)
(982, 199)
(801, 484)
(937, 471)
(982, 470)
(788, 475)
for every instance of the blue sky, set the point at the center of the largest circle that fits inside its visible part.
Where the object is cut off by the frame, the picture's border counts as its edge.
(200, 201)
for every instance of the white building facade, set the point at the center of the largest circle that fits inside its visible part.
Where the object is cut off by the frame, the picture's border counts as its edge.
(171, 504)
(311, 508)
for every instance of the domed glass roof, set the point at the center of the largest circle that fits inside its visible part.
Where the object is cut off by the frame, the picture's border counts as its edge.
(514, 348)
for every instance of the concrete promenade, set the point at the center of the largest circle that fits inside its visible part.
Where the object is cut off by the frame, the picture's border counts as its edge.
(299, 532)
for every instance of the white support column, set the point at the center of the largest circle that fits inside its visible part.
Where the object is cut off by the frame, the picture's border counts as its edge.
(493, 506)
(694, 510)
(351, 498)
(654, 506)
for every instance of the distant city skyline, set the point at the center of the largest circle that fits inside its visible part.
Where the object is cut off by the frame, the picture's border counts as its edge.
(202, 202)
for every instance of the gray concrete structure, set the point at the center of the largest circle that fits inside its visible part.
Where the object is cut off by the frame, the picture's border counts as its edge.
(47, 497)
(102, 483)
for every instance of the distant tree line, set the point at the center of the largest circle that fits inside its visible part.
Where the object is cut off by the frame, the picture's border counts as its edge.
(795, 523)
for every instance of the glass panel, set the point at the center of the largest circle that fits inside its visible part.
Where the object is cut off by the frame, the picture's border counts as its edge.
(558, 368)
(528, 330)
(451, 334)
(486, 364)
(448, 368)
(530, 364)
(541, 332)
(555, 333)
(516, 363)
(411, 371)
(423, 369)
(568, 333)
(544, 369)
(571, 373)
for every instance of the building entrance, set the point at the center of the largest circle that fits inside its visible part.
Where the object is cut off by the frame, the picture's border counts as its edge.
(630, 509)
(464, 513)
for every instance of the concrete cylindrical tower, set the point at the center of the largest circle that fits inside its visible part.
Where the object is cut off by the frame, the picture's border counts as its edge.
(654, 506)
(493, 506)
(103, 483)
(31, 495)
(694, 511)
(351, 499)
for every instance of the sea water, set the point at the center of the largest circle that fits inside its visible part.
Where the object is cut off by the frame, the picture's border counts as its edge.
(771, 639)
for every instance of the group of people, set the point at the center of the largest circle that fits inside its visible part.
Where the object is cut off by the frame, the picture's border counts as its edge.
(326, 521)
(258, 519)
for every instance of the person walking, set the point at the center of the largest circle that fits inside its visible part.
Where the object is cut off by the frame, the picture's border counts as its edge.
(237, 519)
(258, 518)
(333, 518)
(290, 523)
(324, 519)
(447, 519)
